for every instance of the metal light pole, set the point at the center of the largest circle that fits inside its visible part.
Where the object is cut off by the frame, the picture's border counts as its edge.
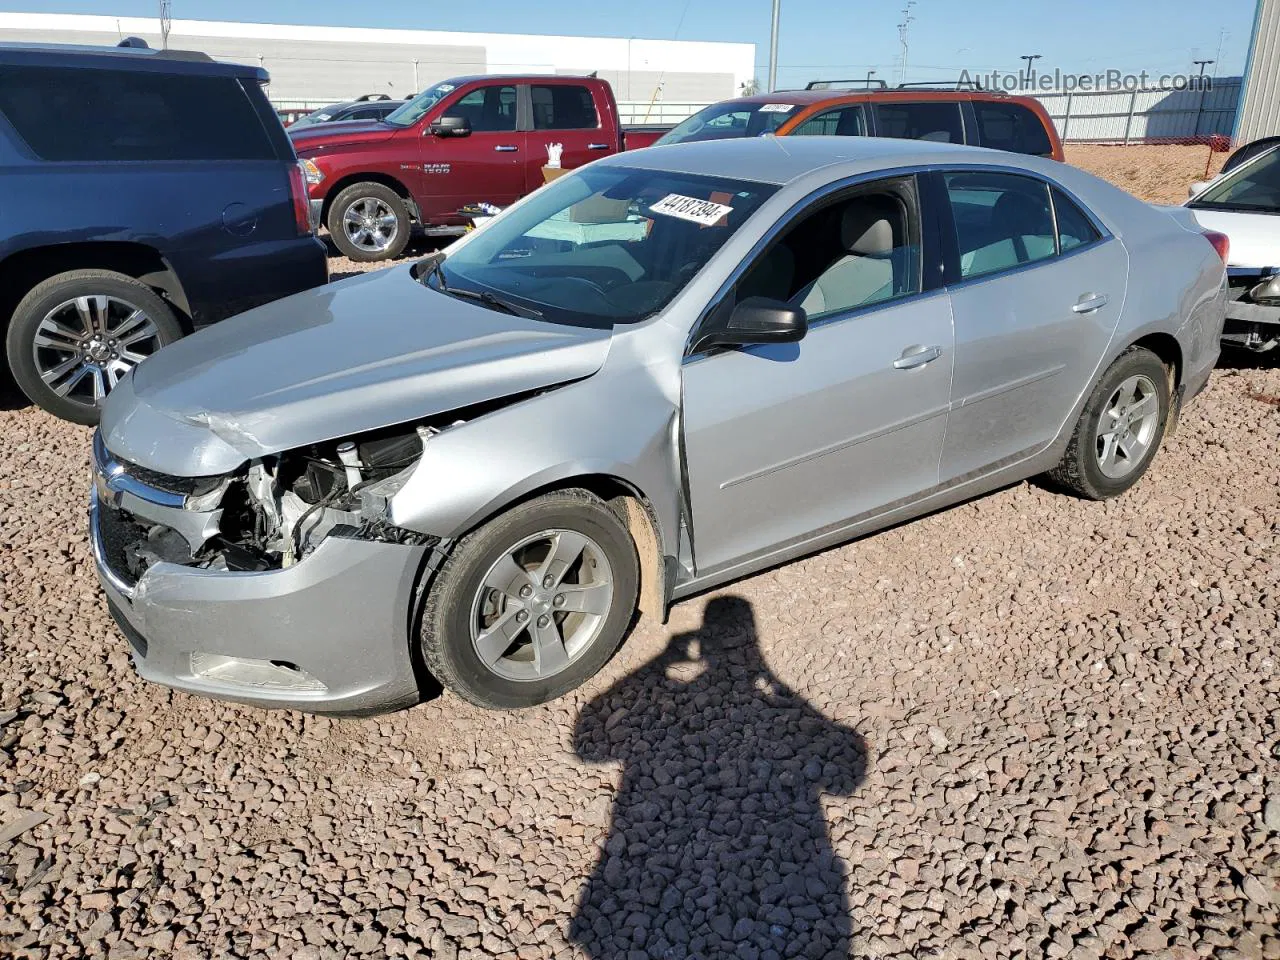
(1200, 83)
(1031, 59)
(773, 46)
(870, 74)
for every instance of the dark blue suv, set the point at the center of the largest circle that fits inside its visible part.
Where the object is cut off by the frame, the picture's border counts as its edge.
(146, 194)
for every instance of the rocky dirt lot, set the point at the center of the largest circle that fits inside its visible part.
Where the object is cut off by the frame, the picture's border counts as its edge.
(1025, 727)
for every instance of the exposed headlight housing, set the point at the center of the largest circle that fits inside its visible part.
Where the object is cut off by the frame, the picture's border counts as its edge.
(312, 172)
(1268, 291)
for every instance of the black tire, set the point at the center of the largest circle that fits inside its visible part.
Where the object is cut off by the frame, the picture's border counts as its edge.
(374, 194)
(445, 638)
(78, 405)
(1080, 470)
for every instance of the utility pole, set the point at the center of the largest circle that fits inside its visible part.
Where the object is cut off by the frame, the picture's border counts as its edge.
(773, 46)
(1200, 83)
(1031, 59)
(903, 29)
(166, 19)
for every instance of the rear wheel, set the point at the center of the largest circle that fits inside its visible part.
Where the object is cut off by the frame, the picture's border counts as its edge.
(76, 334)
(533, 603)
(1119, 429)
(368, 222)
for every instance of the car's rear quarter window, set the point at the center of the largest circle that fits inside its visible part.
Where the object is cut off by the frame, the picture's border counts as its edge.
(77, 114)
(1012, 127)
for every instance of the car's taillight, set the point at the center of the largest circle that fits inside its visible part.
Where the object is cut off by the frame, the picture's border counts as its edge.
(1221, 242)
(301, 202)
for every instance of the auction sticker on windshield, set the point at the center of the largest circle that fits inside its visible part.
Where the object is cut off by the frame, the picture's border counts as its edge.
(703, 212)
(776, 107)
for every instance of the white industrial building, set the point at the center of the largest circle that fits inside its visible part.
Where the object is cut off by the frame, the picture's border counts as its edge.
(663, 79)
(1260, 106)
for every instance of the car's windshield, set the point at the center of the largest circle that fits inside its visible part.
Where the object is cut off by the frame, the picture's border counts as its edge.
(722, 121)
(1252, 187)
(412, 110)
(604, 246)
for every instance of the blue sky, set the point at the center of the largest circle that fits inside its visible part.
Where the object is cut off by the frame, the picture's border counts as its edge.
(818, 39)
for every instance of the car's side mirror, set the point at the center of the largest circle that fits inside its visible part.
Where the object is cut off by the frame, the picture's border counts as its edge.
(759, 320)
(450, 127)
(1197, 187)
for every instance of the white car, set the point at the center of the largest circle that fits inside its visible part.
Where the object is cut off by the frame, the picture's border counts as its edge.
(1244, 203)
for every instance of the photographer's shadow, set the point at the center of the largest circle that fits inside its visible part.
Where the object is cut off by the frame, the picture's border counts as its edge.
(718, 845)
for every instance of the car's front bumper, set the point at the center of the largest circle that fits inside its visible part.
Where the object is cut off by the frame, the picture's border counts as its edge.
(330, 634)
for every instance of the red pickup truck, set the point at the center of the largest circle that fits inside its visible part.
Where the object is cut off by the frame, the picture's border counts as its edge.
(468, 140)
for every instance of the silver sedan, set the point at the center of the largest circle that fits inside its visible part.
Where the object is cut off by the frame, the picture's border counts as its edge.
(664, 371)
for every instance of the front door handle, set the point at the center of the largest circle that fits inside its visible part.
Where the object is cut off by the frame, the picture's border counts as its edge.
(505, 148)
(917, 356)
(597, 146)
(1090, 302)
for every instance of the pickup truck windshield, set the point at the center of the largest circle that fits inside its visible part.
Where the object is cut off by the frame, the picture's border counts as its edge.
(604, 246)
(413, 110)
(1254, 187)
(724, 121)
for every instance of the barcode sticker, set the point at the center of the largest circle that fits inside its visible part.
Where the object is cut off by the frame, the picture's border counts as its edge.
(703, 212)
(776, 107)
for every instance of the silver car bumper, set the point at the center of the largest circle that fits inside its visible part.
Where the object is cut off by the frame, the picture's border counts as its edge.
(327, 635)
(315, 208)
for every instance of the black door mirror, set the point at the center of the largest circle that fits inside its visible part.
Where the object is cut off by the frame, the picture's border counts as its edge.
(451, 127)
(758, 320)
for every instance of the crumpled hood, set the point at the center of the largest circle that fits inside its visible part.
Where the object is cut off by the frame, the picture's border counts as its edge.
(320, 136)
(368, 352)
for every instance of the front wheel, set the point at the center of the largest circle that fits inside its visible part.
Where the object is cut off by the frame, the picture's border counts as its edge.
(368, 222)
(533, 603)
(1120, 428)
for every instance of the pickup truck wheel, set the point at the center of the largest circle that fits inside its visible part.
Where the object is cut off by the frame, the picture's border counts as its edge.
(368, 222)
(533, 603)
(76, 334)
(1120, 428)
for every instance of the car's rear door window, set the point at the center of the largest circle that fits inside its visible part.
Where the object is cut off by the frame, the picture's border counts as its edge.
(936, 121)
(1001, 220)
(563, 107)
(1012, 127)
(80, 114)
(841, 122)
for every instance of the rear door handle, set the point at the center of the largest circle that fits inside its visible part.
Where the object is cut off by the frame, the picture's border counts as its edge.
(917, 356)
(1090, 302)
(503, 148)
(597, 146)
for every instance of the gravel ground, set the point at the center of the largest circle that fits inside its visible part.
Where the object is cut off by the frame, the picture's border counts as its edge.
(1028, 726)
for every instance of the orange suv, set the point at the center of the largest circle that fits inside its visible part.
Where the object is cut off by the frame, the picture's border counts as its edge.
(909, 112)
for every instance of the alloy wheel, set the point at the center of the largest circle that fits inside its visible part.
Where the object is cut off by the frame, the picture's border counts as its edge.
(541, 605)
(370, 224)
(83, 346)
(1127, 427)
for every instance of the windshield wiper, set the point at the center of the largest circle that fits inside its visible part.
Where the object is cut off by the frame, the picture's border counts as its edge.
(496, 302)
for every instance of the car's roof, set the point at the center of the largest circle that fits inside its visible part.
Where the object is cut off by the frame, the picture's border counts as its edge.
(188, 62)
(779, 160)
(915, 94)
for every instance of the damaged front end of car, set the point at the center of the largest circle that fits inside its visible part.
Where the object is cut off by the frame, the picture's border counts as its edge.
(1253, 311)
(268, 515)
